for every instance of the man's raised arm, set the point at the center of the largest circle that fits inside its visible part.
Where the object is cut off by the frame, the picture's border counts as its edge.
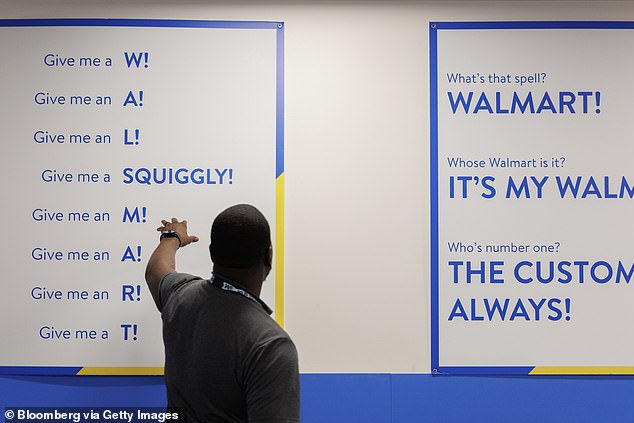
(163, 260)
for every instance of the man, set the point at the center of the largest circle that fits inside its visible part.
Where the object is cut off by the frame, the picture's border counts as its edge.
(226, 359)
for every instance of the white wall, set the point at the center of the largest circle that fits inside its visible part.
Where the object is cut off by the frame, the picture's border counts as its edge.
(357, 165)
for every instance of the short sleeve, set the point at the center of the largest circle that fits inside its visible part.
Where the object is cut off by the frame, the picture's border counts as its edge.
(272, 383)
(170, 283)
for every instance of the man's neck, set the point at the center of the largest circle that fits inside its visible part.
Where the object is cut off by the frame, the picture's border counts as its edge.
(251, 279)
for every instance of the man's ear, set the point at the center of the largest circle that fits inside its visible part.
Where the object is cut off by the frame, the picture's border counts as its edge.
(268, 257)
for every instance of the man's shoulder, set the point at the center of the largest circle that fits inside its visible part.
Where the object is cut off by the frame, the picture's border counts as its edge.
(267, 333)
(179, 277)
(174, 282)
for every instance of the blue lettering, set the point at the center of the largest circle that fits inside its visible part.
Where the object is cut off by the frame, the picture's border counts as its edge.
(458, 311)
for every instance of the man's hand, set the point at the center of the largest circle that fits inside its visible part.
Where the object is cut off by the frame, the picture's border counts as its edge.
(181, 230)
(163, 259)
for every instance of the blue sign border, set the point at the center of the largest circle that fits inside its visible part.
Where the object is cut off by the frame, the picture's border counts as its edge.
(279, 143)
(434, 27)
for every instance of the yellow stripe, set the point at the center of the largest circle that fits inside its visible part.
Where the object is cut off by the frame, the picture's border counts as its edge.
(581, 370)
(279, 250)
(121, 371)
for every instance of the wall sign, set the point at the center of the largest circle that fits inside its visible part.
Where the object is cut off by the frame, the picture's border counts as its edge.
(532, 189)
(110, 125)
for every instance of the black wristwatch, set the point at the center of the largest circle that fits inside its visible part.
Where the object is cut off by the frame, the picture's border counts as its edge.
(172, 234)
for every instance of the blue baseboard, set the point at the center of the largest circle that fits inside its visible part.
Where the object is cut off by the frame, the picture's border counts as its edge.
(371, 398)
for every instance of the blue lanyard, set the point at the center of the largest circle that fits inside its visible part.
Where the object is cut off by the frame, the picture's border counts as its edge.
(228, 286)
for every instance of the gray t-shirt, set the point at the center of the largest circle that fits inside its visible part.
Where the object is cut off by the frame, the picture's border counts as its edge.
(226, 359)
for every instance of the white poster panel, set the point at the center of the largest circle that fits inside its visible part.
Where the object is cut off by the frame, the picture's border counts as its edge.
(533, 236)
(108, 127)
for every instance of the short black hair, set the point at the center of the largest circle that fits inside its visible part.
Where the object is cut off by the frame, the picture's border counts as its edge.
(240, 237)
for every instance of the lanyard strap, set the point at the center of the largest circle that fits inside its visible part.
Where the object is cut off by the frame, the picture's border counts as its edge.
(228, 286)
